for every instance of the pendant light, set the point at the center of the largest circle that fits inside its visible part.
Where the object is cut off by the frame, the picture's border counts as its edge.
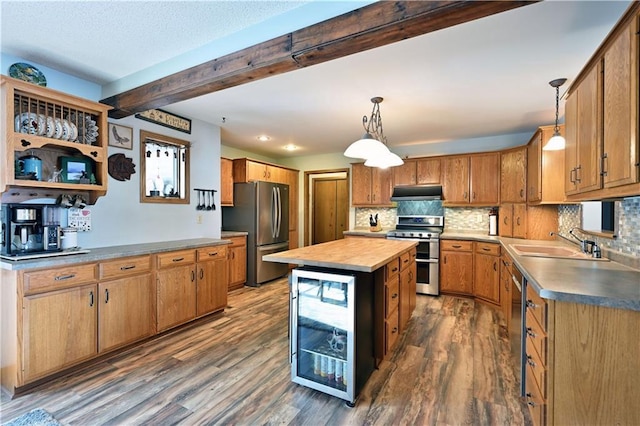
(557, 142)
(373, 144)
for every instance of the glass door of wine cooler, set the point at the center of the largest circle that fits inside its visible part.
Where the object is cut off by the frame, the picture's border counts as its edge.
(322, 332)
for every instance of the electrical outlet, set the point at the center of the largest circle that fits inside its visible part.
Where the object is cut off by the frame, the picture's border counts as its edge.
(199, 219)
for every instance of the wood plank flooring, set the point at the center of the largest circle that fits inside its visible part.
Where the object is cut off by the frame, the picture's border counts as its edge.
(452, 366)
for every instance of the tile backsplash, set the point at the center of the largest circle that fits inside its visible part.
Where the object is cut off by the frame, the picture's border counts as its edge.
(627, 230)
(466, 219)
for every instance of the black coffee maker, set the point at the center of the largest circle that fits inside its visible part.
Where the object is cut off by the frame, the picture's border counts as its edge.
(29, 229)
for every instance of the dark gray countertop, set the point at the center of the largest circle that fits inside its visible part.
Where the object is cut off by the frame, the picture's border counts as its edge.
(114, 252)
(591, 282)
(231, 234)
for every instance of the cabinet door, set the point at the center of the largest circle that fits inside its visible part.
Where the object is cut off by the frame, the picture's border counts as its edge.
(589, 136)
(534, 166)
(505, 216)
(571, 144)
(256, 171)
(520, 220)
(59, 330)
(226, 182)
(513, 176)
(125, 312)
(212, 286)
(176, 289)
(485, 179)
(405, 297)
(428, 171)
(360, 184)
(237, 264)
(456, 272)
(505, 288)
(486, 283)
(455, 185)
(381, 186)
(292, 180)
(405, 174)
(621, 109)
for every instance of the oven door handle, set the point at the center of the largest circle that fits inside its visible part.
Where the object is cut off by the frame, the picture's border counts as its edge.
(427, 260)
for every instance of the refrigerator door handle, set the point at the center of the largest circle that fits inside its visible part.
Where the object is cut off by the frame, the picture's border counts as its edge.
(273, 212)
(279, 212)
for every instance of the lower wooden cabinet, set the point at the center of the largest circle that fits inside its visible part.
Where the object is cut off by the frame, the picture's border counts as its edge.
(486, 282)
(237, 262)
(212, 280)
(176, 288)
(456, 267)
(408, 287)
(58, 330)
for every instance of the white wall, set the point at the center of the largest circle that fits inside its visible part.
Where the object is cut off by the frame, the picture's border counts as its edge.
(119, 218)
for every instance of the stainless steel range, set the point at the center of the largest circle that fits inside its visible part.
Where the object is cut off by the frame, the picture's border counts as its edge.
(426, 231)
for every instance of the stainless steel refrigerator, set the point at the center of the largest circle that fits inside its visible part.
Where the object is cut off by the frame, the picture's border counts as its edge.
(262, 210)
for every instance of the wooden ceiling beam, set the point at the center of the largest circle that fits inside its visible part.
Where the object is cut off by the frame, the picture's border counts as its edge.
(372, 26)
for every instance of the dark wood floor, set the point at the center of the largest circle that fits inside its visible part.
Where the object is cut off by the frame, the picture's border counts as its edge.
(452, 366)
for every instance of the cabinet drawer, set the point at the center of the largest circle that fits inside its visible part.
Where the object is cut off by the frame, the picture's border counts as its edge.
(536, 369)
(488, 248)
(391, 331)
(123, 267)
(537, 407)
(391, 296)
(392, 268)
(455, 245)
(212, 253)
(538, 307)
(237, 241)
(406, 258)
(175, 258)
(52, 279)
(536, 337)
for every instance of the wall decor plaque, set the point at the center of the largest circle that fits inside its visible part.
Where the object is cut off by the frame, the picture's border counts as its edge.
(166, 119)
(121, 167)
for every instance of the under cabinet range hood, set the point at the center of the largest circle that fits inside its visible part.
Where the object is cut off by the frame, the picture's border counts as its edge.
(417, 193)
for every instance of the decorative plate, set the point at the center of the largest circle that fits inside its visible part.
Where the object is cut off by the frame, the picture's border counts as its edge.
(27, 122)
(27, 72)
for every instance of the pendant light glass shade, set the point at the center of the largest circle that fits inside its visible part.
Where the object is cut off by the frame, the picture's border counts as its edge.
(557, 142)
(365, 148)
(384, 161)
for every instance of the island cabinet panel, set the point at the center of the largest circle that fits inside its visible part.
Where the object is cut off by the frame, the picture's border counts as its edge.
(408, 287)
(486, 282)
(513, 178)
(391, 304)
(456, 267)
(59, 330)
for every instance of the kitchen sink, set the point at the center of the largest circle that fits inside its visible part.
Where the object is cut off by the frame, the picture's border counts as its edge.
(562, 252)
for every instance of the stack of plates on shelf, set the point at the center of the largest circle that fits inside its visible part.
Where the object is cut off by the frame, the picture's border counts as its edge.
(87, 131)
(42, 125)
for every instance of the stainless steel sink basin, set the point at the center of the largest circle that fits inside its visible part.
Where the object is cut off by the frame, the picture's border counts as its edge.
(539, 250)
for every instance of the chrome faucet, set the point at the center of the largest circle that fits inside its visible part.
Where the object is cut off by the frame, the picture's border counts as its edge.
(563, 237)
(586, 246)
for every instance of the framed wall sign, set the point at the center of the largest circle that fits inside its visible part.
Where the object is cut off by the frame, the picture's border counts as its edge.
(120, 136)
(166, 119)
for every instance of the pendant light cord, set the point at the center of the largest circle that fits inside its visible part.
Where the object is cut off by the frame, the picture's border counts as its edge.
(557, 129)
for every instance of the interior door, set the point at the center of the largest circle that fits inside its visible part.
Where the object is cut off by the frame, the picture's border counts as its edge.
(330, 209)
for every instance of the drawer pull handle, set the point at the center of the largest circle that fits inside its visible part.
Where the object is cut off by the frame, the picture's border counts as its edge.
(395, 330)
(530, 332)
(193, 276)
(65, 277)
(394, 295)
(530, 304)
(456, 246)
(178, 259)
(215, 253)
(394, 269)
(495, 266)
(486, 249)
(125, 268)
(91, 298)
(201, 273)
(106, 296)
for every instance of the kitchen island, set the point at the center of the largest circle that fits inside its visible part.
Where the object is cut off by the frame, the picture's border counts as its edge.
(391, 265)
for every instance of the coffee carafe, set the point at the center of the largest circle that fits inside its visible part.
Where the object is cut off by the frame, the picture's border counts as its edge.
(29, 229)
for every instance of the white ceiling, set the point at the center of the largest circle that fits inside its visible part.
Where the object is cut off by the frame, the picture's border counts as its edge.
(458, 89)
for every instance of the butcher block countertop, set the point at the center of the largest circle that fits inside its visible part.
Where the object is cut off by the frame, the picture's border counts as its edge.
(352, 254)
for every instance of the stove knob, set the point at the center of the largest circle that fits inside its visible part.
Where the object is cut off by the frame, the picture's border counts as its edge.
(411, 234)
(420, 235)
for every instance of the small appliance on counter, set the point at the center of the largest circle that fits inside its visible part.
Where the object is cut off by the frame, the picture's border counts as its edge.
(493, 221)
(29, 229)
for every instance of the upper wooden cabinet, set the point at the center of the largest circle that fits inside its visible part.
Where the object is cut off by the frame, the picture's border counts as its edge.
(370, 186)
(513, 175)
(54, 127)
(419, 171)
(226, 182)
(247, 170)
(602, 156)
(545, 169)
(471, 179)
(405, 174)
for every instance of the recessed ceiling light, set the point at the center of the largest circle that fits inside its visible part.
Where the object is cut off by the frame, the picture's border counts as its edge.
(290, 147)
(264, 138)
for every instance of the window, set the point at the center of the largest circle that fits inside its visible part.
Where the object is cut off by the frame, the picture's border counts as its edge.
(165, 169)
(598, 218)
